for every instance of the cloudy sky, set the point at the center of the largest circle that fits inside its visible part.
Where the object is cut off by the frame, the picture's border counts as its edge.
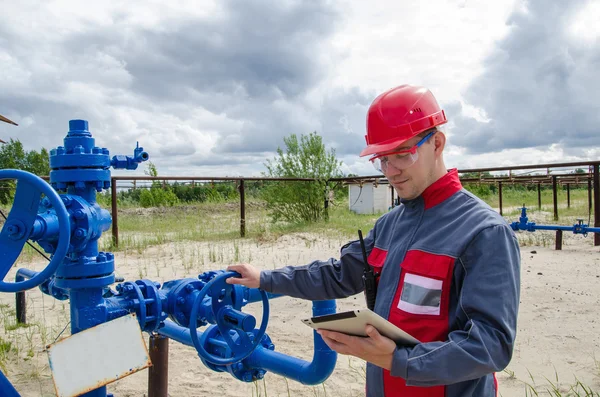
(212, 87)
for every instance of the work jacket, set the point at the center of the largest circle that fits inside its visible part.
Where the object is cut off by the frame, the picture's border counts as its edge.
(449, 275)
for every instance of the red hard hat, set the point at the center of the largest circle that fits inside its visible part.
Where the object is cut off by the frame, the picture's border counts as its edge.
(398, 115)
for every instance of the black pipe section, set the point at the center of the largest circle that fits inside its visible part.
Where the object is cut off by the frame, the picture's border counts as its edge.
(554, 197)
(242, 209)
(500, 196)
(114, 211)
(21, 303)
(597, 202)
(158, 374)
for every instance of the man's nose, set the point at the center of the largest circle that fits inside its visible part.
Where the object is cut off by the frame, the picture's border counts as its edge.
(392, 171)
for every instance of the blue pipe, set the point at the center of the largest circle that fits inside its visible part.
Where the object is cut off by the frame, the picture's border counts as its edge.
(255, 296)
(7, 389)
(48, 287)
(312, 373)
(524, 224)
(177, 333)
(23, 274)
(551, 227)
(574, 229)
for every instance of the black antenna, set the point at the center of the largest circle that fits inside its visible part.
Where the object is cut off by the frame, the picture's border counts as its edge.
(368, 276)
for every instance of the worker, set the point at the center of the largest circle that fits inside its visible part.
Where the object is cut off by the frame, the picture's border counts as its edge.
(447, 266)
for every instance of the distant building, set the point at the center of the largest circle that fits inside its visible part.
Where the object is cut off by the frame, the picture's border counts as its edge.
(371, 198)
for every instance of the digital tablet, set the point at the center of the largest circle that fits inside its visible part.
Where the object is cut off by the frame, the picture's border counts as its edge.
(354, 323)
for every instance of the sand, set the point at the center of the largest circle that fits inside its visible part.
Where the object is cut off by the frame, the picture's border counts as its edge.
(558, 329)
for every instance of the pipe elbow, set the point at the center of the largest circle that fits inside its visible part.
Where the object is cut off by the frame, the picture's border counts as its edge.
(321, 367)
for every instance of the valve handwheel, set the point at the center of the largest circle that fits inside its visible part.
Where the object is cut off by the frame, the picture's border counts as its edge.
(19, 224)
(222, 297)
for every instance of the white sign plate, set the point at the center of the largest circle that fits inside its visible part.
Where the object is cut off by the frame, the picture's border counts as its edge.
(98, 356)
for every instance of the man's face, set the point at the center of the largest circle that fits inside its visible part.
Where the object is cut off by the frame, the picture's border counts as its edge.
(412, 181)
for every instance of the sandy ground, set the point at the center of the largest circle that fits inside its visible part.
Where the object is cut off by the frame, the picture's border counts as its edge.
(558, 336)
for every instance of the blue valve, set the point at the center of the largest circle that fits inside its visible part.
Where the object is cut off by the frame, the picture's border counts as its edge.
(127, 162)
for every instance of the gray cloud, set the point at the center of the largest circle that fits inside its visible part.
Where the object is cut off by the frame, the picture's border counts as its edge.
(253, 49)
(238, 78)
(264, 124)
(240, 160)
(339, 117)
(343, 117)
(539, 85)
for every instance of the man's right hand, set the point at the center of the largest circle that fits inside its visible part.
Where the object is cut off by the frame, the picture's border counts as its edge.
(250, 275)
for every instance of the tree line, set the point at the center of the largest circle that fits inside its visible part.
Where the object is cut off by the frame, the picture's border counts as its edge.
(13, 156)
(303, 157)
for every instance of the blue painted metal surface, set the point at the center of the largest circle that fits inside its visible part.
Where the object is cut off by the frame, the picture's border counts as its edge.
(23, 220)
(309, 373)
(6, 388)
(234, 327)
(48, 287)
(264, 358)
(68, 227)
(524, 224)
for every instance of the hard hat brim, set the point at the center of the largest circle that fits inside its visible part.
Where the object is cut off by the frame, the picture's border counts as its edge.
(383, 147)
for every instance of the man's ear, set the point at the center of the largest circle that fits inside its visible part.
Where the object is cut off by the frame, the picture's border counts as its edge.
(439, 140)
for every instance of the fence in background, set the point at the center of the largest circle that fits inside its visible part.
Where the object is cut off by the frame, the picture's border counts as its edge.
(545, 174)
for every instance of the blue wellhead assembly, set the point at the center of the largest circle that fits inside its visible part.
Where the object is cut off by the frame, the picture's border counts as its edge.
(64, 218)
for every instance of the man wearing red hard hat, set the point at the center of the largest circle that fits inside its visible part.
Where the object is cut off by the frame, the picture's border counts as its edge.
(447, 264)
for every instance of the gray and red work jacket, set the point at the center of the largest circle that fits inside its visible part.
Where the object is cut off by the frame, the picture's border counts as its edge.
(449, 275)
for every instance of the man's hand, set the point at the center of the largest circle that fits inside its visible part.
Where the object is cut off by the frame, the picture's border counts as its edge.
(250, 275)
(375, 348)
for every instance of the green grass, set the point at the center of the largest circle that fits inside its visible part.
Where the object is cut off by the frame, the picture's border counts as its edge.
(512, 198)
(15, 325)
(555, 388)
(142, 228)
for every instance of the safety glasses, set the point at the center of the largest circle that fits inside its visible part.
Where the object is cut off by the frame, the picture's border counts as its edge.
(400, 160)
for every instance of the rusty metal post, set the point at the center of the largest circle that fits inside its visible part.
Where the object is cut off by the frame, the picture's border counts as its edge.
(158, 373)
(115, 221)
(568, 195)
(554, 197)
(242, 209)
(326, 203)
(500, 196)
(559, 238)
(539, 196)
(589, 181)
(596, 202)
(21, 308)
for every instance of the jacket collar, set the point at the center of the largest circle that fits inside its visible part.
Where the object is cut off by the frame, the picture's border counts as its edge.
(440, 190)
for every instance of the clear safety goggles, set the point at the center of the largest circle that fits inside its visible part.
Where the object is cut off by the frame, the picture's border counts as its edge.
(401, 159)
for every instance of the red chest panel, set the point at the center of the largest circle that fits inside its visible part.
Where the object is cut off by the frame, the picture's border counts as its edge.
(420, 307)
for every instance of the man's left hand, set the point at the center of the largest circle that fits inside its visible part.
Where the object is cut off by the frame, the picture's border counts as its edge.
(374, 348)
